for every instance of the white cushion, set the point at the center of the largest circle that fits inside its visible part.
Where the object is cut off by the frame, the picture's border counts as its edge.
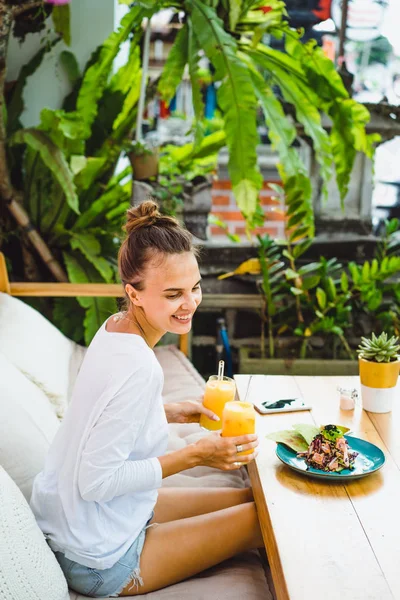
(28, 568)
(27, 426)
(38, 349)
(181, 380)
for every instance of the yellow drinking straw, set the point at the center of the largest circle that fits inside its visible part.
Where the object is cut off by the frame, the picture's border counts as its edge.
(221, 367)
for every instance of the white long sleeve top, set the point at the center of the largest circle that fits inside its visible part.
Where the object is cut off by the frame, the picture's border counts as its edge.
(100, 480)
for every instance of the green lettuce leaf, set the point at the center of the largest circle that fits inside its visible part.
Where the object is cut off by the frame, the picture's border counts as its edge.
(333, 432)
(290, 438)
(307, 431)
(302, 434)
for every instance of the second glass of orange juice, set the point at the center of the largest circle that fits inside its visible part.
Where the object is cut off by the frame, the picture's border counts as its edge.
(238, 418)
(217, 393)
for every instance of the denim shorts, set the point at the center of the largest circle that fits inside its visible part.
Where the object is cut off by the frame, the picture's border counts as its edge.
(100, 583)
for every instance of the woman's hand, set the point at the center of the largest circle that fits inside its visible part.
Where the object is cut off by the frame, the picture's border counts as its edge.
(221, 452)
(187, 412)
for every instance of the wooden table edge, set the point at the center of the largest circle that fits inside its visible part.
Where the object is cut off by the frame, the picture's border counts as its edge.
(271, 547)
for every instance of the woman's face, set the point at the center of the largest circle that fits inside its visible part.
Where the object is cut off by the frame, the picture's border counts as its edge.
(171, 292)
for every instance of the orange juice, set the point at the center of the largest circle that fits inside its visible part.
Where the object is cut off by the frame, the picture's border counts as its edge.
(216, 395)
(238, 418)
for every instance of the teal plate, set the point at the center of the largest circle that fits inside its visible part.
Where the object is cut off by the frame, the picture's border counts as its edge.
(370, 459)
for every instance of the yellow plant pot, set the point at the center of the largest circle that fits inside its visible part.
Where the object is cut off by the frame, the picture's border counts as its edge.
(379, 375)
(378, 385)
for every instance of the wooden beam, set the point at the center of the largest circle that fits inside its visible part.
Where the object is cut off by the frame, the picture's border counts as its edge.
(114, 290)
(184, 344)
(4, 282)
(245, 301)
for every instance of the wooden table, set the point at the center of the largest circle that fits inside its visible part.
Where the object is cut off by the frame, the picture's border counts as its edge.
(326, 540)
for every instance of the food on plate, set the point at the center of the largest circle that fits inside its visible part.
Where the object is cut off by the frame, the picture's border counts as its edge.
(323, 448)
(329, 451)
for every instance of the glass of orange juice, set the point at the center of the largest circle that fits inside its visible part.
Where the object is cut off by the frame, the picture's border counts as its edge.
(238, 418)
(218, 392)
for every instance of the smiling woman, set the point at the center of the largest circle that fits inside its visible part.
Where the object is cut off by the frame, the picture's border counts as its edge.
(160, 274)
(113, 531)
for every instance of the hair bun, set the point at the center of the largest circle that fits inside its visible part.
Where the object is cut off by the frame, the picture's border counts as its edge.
(143, 215)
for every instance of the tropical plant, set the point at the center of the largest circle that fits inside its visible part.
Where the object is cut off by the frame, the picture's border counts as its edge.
(379, 349)
(181, 168)
(324, 299)
(61, 173)
(64, 168)
(248, 72)
(137, 147)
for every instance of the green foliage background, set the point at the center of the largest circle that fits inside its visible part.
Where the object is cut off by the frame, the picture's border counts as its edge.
(65, 167)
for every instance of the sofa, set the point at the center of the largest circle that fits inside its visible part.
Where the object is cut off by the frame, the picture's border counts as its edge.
(38, 367)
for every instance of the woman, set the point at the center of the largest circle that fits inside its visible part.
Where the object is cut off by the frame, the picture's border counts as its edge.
(114, 532)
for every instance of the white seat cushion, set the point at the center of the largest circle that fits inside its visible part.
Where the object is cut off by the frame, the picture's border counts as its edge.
(181, 380)
(28, 568)
(38, 349)
(27, 426)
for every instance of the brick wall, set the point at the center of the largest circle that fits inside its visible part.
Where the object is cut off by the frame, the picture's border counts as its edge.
(225, 208)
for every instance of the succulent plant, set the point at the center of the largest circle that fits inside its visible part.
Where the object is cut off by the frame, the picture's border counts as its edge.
(379, 349)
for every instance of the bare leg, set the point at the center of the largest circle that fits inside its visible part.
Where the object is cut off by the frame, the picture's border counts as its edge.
(181, 503)
(179, 549)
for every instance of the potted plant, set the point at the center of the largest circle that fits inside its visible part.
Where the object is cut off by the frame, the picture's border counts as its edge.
(183, 185)
(192, 169)
(379, 363)
(143, 158)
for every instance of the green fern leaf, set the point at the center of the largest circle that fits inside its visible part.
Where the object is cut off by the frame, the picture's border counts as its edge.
(280, 130)
(298, 198)
(270, 20)
(287, 75)
(133, 94)
(65, 129)
(107, 201)
(70, 65)
(97, 309)
(122, 80)
(96, 77)
(90, 247)
(235, 9)
(347, 137)
(198, 104)
(174, 66)
(349, 118)
(61, 16)
(209, 146)
(238, 103)
(53, 158)
(85, 178)
(118, 213)
(320, 71)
